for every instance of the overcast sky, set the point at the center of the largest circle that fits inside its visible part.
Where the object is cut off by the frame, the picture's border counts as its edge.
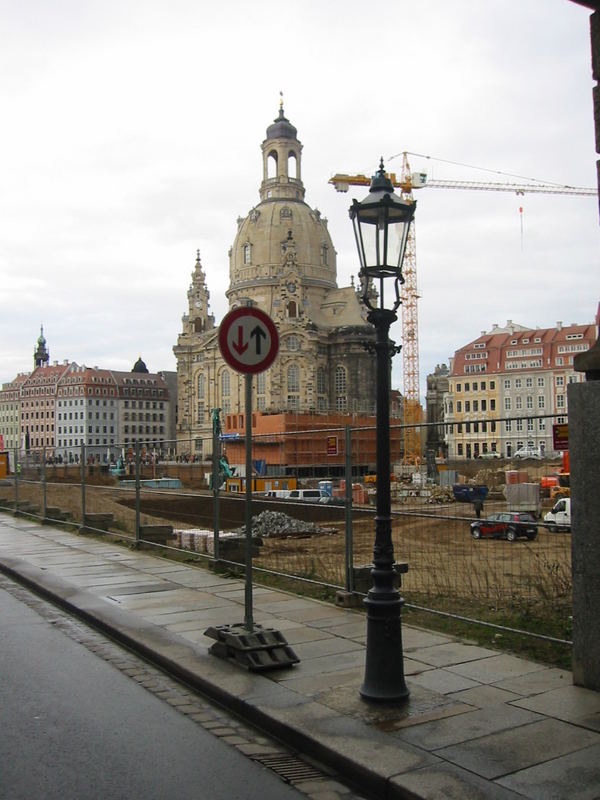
(131, 137)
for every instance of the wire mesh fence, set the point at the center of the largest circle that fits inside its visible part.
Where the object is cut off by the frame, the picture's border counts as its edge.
(313, 506)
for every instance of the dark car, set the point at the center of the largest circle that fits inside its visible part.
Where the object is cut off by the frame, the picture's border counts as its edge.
(505, 525)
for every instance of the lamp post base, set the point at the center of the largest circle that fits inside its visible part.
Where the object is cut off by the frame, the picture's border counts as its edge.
(384, 668)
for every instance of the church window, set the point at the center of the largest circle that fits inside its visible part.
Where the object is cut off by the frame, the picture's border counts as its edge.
(285, 214)
(225, 383)
(247, 253)
(293, 343)
(292, 309)
(293, 378)
(201, 386)
(261, 383)
(324, 255)
(341, 402)
(321, 381)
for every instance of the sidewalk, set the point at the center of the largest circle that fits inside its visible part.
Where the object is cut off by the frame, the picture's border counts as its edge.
(478, 724)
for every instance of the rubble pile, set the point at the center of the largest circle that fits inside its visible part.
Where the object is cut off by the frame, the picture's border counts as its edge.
(271, 524)
(494, 479)
(441, 494)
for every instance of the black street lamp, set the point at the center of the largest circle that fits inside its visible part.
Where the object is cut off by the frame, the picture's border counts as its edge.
(381, 225)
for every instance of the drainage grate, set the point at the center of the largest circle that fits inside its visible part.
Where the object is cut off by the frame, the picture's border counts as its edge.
(289, 768)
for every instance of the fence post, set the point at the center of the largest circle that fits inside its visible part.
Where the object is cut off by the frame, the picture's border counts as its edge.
(348, 504)
(137, 492)
(17, 473)
(44, 486)
(82, 466)
(216, 454)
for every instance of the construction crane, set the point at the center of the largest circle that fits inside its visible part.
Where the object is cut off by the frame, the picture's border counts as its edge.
(412, 414)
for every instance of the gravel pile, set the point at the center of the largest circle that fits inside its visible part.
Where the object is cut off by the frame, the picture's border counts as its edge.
(275, 523)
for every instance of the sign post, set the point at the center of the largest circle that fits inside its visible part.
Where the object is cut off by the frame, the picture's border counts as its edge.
(249, 342)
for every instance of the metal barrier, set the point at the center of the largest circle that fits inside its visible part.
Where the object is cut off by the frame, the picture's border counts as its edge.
(171, 505)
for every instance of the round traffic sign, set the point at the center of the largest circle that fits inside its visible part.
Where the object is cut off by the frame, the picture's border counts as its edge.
(248, 339)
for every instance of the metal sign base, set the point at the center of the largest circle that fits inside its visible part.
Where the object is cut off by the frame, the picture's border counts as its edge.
(258, 651)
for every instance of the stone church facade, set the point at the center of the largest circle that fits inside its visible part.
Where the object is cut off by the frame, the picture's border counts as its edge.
(283, 261)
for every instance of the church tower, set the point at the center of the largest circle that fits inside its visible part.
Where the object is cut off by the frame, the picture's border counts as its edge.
(41, 354)
(283, 261)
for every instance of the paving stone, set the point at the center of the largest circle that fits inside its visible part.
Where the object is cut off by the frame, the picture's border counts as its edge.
(519, 747)
(575, 776)
(570, 703)
(450, 653)
(483, 696)
(443, 681)
(447, 782)
(467, 727)
(536, 682)
(496, 668)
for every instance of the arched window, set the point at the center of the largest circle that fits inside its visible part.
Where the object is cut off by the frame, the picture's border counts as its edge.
(293, 343)
(272, 164)
(201, 386)
(247, 253)
(292, 165)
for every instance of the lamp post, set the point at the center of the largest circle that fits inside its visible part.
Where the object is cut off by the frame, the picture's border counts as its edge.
(381, 224)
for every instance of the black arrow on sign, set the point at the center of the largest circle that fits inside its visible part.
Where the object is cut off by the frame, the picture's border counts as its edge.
(257, 333)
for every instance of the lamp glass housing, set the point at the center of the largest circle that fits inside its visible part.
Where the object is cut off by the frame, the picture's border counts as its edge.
(381, 225)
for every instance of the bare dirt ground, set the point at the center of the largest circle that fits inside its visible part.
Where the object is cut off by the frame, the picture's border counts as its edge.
(443, 559)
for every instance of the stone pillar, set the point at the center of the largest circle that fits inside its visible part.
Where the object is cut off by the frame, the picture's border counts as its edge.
(584, 452)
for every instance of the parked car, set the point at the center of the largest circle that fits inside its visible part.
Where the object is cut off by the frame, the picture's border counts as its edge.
(528, 452)
(505, 525)
(489, 454)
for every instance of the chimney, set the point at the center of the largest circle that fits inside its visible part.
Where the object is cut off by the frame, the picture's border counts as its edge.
(559, 326)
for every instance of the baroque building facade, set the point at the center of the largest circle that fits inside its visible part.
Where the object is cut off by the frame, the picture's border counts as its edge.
(283, 261)
(57, 408)
(508, 387)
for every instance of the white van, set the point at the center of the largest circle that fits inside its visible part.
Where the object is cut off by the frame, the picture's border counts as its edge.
(280, 494)
(306, 495)
(559, 518)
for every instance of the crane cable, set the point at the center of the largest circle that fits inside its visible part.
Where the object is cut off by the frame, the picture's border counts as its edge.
(482, 169)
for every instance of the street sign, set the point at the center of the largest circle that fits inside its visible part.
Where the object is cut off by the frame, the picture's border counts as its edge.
(248, 340)
(332, 445)
(560, 436)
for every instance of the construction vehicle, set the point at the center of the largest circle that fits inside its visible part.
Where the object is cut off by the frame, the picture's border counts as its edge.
(412, 414)
(524, 497)
(558, 485)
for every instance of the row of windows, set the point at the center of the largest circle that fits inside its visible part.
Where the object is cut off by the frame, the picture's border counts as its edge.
(476, 386)
(143, 429)
(293, 382)
(531, 425)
